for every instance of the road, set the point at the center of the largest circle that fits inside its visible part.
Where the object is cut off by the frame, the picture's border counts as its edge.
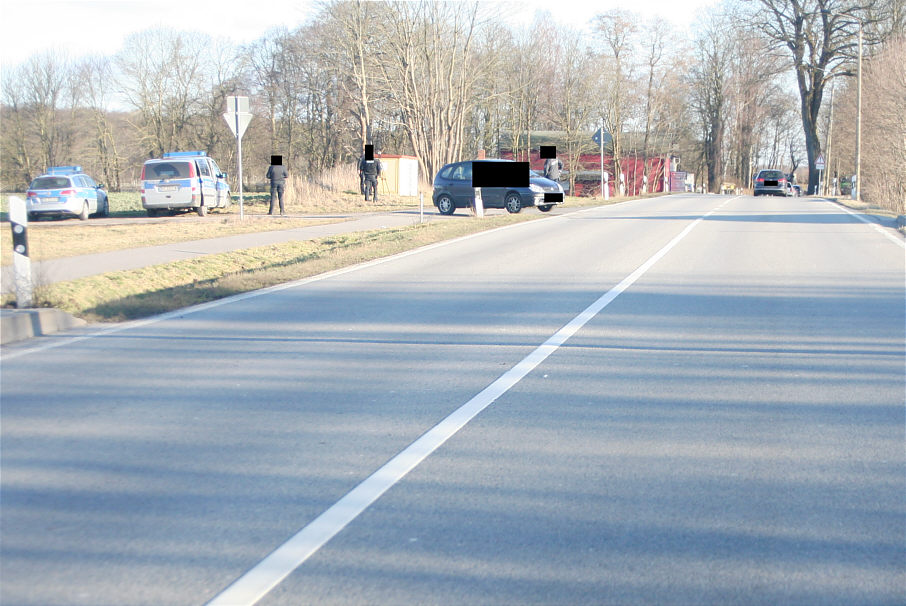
(683, 400)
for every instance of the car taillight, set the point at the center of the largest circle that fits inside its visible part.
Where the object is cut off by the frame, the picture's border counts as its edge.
(68, 192)
(191, 170)
(143, 172)
(31, 194)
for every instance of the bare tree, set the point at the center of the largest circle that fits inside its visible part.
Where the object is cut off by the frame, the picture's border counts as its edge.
(751, 94)
(821, 38)
(265, 58)
(656, 40)
(164, 82)
(220, 77)
(18, 161)
(617, 30)
(883, 127)
(428, 71)
(535, 77)
(709, 84)
(352, 54)
(47, 80)
(96, 76)
(578, 101)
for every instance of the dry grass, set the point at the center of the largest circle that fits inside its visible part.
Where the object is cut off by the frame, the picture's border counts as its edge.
(126, 295)
(50, 241)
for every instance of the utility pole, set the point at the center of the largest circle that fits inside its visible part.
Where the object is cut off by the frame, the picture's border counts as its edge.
(857, 191)
(830, 138)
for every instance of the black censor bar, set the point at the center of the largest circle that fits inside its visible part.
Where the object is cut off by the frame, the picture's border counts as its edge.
(500, 174)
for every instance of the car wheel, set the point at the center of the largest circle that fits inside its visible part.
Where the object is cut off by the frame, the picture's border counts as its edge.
(106, 212)
(83, 216)
(202, 210)
(545, 207)
(445, 205)
(513, 203)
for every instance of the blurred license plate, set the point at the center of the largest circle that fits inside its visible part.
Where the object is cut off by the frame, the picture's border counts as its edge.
(771, 183)
(49, 200)
(167, 187)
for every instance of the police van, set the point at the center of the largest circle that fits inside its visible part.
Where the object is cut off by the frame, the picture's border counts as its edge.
(183, 181)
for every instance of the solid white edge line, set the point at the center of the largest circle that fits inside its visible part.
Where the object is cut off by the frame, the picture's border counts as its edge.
(280, 563)
(879, 228)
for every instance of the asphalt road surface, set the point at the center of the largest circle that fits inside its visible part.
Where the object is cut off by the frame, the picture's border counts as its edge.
(683, 400)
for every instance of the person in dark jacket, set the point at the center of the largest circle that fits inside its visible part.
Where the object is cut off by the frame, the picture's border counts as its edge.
(277, 174)
(370, 167)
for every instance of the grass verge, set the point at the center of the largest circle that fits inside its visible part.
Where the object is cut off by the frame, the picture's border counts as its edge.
(70, 237)
(127, 295)
(55, 242)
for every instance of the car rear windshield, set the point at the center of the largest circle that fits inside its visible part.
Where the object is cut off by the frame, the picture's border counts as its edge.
(167, 170)
(50, 183)
(771, 174)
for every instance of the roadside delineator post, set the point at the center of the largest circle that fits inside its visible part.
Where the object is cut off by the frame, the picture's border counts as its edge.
(479, 204)
(18, 219)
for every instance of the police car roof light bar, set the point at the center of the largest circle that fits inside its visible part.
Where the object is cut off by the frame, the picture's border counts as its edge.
(186, 154)
(64, 170)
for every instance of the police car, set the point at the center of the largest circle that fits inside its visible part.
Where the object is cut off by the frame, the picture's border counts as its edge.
(183, 180)
(66, 191)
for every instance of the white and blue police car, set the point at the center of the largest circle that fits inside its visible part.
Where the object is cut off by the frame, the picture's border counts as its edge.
(66, 191)
(188, 180)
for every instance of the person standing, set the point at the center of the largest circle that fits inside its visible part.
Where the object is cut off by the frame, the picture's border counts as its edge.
(277, 174)
(371, 170)
(552, 168)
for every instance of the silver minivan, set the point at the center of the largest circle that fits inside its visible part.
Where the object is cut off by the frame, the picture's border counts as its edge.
(183, 180)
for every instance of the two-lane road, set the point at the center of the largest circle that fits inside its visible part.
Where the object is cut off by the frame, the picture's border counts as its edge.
(684, 400)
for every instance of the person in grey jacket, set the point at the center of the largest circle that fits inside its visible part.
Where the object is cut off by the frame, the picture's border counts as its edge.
(552, 168)
(277, 174)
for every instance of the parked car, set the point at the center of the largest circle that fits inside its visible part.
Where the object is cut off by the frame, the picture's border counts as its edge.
(771, 182)
(66, 191)
(453, 189)
(183, 181)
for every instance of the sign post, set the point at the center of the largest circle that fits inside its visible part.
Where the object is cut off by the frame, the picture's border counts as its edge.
(601, 137)
(820, 165)
(18, 220)
(237, 117)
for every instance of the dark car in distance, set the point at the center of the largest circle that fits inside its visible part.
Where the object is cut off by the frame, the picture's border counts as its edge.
(453, 189)
(770, 182)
